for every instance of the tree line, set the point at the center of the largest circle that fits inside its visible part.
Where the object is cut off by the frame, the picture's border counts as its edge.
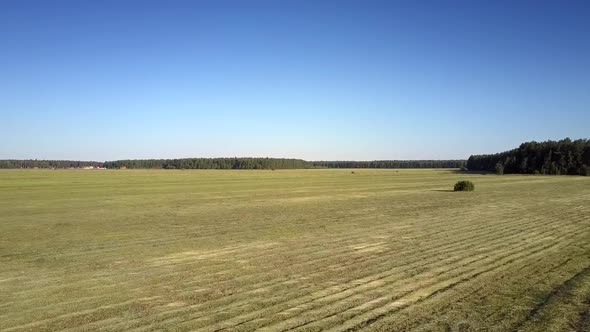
(563, 157)
(211, 163)
(34, 163)
(391, 164)
(232, 163)
(550, 157)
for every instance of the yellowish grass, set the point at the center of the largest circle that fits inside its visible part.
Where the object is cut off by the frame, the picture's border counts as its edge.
(309, 250)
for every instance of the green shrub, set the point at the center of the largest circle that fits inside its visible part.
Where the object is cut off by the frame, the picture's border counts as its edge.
(464, 186)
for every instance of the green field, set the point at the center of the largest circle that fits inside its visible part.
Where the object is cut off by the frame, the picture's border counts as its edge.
(308, 250)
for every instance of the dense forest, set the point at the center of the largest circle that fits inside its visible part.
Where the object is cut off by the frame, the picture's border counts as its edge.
(550, 157)
(390, 164)
(210, 163)
(11, 163)
(277, 163)
(232, 163)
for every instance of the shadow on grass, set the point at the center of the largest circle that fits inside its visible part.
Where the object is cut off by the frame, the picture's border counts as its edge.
(444, 190)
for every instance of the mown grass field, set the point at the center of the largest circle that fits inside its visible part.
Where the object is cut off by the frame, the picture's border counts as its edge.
(304, 250)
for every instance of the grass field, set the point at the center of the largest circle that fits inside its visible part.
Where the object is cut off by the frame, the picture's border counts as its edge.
(304, 250)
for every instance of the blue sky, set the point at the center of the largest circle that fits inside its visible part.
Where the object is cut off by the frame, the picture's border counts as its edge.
(318, 80)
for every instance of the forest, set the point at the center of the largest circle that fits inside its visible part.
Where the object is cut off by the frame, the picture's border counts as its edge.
(232, 163)
(34, 163)
(563, 157)
(210, 163)
(390, 164)
(276, 163)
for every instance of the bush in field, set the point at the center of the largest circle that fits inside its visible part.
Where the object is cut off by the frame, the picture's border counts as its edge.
(464, 186)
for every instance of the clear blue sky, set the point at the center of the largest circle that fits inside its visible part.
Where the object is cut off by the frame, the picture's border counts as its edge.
(357, 80)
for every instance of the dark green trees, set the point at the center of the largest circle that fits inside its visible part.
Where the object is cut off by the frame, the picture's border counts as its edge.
(11, 163)
(211, 163)
(390, 164)
(233, 163)
(550, 157)
(277, 163)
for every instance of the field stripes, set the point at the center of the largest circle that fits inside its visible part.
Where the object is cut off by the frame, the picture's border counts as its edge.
(377, 250)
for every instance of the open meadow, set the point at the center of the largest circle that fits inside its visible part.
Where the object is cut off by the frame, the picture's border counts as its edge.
(304, 250)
